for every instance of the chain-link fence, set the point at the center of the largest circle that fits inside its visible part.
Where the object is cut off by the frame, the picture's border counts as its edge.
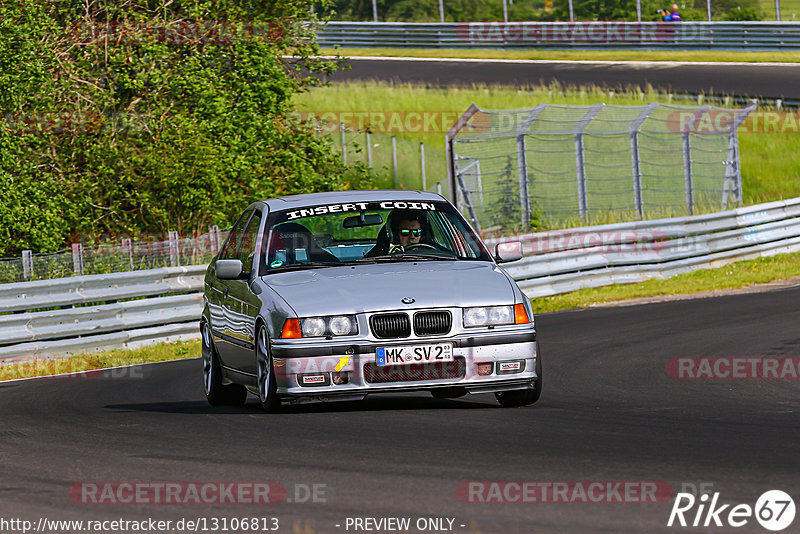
(396, 163)
(555, 165)
(128, 255)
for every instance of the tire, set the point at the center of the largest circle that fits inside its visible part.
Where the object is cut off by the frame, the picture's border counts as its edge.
(523, 397)
(217, 393)
(267, 387)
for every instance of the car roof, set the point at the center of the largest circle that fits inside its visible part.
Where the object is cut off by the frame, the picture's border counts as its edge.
(332, 197)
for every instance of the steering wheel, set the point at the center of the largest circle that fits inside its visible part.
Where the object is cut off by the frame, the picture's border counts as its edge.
(415, 246)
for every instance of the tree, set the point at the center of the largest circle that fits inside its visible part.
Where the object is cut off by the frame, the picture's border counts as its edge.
(151, 115)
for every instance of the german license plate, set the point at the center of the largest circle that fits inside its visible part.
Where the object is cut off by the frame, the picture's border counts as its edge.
(408, 354)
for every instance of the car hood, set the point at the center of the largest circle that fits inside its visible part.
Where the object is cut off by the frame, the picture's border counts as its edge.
(378, 287)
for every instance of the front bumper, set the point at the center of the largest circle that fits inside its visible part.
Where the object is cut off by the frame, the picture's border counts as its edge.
(309, 370)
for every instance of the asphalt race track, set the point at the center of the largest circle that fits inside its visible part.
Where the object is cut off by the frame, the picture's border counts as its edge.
(609, 413)
(749, 80)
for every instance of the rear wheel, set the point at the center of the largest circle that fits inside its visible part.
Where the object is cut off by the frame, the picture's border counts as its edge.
(217, 394)
(523, 397)
(267, 387)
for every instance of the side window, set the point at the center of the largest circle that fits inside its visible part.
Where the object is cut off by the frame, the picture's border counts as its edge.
(247, 246)
(231, 246)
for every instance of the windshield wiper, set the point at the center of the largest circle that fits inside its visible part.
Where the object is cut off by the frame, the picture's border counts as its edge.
(405, 256)
(301, 266)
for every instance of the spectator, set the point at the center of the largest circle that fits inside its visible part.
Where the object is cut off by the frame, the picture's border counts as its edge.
(675, 16)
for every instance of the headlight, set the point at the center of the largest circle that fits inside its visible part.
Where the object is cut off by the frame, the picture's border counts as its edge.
(341, 325)
(492, 315)
(338, 325)
(313, 327)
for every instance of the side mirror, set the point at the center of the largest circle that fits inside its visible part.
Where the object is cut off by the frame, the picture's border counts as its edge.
(228, 269)
(506, 252)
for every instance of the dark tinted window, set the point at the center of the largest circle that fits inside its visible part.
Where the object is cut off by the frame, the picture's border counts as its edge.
(229, 250)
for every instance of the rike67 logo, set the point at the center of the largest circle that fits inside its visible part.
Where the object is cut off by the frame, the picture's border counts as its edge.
(774, 510)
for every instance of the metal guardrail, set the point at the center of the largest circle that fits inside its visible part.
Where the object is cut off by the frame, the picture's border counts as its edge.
(564, 35)
(80, 314)
(567, 260)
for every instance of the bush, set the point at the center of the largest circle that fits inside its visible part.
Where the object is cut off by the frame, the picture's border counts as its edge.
(119, 122)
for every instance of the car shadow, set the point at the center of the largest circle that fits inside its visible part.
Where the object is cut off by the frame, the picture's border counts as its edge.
(374, 404)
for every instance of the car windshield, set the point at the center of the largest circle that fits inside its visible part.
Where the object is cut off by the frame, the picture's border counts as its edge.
(367, 232)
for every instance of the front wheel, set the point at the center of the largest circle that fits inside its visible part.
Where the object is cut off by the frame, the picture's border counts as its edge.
(217, 393)
(523, 397)
(267, 387)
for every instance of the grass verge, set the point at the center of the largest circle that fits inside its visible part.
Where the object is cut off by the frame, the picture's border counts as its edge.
(82, 363)
(576, 55)
(733, 276)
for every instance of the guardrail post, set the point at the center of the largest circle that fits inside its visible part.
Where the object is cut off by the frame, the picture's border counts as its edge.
(127, 248)
(344, 143)
(27, 264)
(77, 258)
(580, 163)
(174, 257)
(422, 165)
(394, 160)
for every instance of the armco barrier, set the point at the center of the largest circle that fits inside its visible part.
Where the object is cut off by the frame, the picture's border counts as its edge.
(39, 319)
(559, 262)
(564, 35)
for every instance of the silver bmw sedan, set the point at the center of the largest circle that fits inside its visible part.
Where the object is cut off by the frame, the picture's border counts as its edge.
(335, 296)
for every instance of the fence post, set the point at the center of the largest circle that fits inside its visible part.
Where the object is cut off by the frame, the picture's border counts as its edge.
(27, 264)
(77, 258)
(127, 247)
(636, 125)
(733, 169)
(344, 143)
(687, 158)
(174, 259)
(687, 172)
(522, 164)
(213, 234)
(580, 163)
(369, 152)
(422, 166)
(394, 160)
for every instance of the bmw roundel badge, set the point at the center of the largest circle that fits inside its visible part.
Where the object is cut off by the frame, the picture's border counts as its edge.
(407, 300)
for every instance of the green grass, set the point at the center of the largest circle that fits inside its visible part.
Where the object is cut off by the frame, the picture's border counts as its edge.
(101, 360)
(770, 167)
(580, 55)
(732, 276)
